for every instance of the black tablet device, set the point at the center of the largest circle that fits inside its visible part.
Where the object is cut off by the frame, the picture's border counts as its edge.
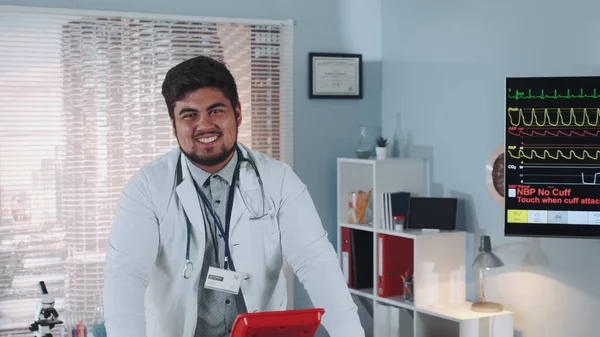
(432, 213)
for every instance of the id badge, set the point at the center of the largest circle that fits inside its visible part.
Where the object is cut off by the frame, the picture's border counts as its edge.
(223, 280)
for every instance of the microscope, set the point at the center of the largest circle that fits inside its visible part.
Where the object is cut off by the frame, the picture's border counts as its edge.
(45, 317)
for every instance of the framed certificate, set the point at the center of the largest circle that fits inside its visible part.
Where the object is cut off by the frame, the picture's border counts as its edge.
(335, 75)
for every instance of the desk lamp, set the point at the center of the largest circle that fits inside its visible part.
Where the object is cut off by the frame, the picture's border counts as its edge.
(485, 261)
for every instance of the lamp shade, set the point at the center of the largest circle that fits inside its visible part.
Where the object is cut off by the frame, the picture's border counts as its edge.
(486, 259)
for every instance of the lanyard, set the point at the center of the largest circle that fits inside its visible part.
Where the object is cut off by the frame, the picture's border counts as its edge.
(224, 231)
(217, 222)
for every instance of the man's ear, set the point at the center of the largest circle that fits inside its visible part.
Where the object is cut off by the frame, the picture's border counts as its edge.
(173, 126)
(238, 114)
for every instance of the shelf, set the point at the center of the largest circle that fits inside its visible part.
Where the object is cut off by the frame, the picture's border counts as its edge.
(362, 227)
(357, 161)
(365, 292)
(410, 234)
(371, 161)
(396, 301)
(460, 321)
(460, 312)
(372, 258)
(379, 176)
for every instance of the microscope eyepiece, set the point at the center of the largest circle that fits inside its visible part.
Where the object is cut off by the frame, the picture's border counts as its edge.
(43, 287)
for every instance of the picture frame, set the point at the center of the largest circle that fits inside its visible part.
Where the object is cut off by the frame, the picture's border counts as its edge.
(335, 75)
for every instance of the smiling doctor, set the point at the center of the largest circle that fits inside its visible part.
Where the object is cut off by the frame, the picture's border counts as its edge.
(209, 210)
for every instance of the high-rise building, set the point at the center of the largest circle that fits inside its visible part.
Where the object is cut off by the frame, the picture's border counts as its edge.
(117, 122)
(43, 199)
(85, 197)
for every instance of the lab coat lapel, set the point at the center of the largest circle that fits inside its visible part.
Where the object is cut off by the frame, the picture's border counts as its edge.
(250, 187)
(189, 199)
(238, 211)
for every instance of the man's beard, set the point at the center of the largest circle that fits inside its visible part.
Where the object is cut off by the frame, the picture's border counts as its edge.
(210, 161)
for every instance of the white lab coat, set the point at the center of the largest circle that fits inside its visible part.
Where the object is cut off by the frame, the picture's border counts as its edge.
(145, 292)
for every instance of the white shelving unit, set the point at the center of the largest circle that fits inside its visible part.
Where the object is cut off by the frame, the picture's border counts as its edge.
(439, 306)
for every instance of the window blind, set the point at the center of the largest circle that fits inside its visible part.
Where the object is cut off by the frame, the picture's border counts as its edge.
(81, 110)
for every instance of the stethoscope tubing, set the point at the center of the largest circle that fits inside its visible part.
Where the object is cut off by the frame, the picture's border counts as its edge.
(189, 266)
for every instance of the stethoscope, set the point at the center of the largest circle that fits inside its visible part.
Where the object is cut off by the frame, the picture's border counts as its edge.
(224, 231)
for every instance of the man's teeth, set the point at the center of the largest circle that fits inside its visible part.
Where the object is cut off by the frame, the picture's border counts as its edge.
(208, 139)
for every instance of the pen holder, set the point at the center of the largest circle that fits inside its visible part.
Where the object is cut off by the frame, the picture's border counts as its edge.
(359, 207)
(407, 293)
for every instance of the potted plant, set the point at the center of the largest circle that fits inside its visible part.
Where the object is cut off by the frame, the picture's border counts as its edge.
(381, 149)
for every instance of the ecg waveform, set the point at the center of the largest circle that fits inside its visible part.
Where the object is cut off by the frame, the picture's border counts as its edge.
(559, 133)
(517, 95)
(517, 117)
(554, 154)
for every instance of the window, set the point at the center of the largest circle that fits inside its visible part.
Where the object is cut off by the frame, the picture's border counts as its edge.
(81, 111)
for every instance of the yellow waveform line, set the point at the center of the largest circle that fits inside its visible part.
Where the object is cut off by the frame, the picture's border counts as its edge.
(554, 154)
(559, 120)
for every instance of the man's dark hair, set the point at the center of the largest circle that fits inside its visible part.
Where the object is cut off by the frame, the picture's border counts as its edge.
(196, 73)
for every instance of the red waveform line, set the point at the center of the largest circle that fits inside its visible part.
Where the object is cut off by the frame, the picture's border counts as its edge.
(558, 133)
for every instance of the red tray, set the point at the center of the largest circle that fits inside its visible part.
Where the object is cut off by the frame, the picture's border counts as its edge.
(285, 323)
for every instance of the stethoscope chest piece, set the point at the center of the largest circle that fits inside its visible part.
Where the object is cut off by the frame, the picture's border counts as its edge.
(188, 269)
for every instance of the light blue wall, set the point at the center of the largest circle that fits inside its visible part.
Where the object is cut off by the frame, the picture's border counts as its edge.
(444, 65)
(323, 129)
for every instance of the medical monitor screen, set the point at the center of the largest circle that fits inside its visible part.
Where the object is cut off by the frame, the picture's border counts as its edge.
(552, 157)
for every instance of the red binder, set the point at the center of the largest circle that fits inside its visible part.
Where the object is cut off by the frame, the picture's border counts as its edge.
(347, 257)
(285, 323)
(395, 259)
